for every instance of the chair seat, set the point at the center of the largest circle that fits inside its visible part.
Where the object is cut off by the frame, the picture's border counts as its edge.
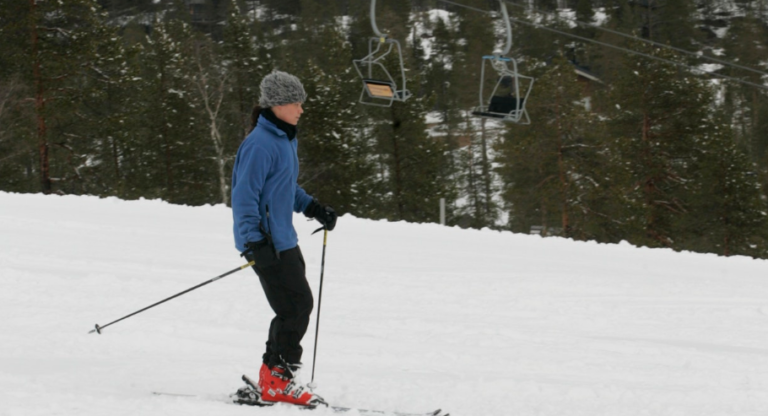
(488, 115)
(380, 89)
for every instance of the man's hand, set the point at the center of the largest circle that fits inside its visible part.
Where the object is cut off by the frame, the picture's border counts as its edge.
(322, 213)
(262, 253)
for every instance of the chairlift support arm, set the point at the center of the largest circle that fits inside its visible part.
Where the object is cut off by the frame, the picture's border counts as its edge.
(373, 21)
(505, 15)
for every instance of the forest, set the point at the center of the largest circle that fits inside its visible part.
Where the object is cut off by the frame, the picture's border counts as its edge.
(648, 118)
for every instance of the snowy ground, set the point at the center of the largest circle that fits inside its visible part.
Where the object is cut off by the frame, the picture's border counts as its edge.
(414, 317)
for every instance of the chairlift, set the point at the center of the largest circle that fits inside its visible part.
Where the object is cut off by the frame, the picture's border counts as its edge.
(510, 93)
(379, 87)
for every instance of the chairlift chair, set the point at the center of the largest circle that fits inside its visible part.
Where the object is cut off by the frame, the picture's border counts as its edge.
(506, 101)
(379, 87)
(510, 93)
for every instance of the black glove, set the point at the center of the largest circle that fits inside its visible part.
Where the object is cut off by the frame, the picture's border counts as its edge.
(262, 253)
(322, 213)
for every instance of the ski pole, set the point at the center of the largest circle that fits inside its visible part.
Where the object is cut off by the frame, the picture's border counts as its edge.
(312, 384)
(99, 328)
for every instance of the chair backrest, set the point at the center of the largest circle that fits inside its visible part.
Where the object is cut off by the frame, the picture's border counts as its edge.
(505, 105)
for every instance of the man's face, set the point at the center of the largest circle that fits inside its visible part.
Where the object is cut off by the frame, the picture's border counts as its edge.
(289, 113)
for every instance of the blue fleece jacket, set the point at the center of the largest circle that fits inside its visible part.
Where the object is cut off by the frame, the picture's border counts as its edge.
(265, 174)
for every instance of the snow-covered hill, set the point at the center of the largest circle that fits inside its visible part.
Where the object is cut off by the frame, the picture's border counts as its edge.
(414, 317)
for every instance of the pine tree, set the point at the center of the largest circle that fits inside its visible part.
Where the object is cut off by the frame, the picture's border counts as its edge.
(171, 150)
(334, 159)
(728, 205)
(442, 72)
(410, 166)
(607, 62)
(657, 120)
(560, 173)
(71, 65)
(247, 60)
(103, 121)
(18, 146)
(477, 176)
(209, 79)
(666, 21)
(415, 165)
(582, 51)
(746, 40)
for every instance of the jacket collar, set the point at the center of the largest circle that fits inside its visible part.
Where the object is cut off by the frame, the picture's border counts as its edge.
(277, 126)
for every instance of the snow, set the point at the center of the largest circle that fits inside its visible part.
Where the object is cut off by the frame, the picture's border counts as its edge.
(710, 68)
(568, 16)
(444, 15)
(720, 32)
(421, 27)
(433, 117)
(344, 23)
(600, 17)
(414, 317)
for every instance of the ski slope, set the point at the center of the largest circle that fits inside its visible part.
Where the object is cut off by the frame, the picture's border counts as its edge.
(414, 317)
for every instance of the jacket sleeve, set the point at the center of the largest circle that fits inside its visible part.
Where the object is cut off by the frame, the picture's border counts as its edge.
(252, 170)
(301, 199)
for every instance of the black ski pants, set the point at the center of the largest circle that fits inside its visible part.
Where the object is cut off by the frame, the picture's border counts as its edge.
(288, 293)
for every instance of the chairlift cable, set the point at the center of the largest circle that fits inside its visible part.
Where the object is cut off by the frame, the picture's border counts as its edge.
(648, 41)
(669, 61)
(608, 45)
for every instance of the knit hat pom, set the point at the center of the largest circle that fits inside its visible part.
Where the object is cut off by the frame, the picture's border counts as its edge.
(280, 88)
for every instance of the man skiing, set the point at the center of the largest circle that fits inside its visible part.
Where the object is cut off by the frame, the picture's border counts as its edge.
(265, 194)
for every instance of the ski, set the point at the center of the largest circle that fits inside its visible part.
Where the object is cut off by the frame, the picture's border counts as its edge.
(250, 396)
(339, 409)
(255, 392)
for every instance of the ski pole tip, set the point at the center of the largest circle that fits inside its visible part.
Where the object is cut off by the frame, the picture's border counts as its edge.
(312, 385)
(96, 329)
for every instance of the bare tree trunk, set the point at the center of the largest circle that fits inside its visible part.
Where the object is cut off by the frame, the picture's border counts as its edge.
(116, 157)
(398, 168)
(649, 186)
(755, 109)
(168, 162)
(565, 220)
(6, 94)
(647, 181)
(486, 175)
(561, 170)
(212, 101)
(471, 180)
(166, 145)
(42, 140)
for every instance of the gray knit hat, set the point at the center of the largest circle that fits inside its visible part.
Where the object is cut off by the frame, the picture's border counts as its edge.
(280, 88)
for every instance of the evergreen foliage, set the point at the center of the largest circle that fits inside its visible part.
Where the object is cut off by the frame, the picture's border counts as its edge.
(657, 127)
(152, 99)
(70, 64)
(561, 173)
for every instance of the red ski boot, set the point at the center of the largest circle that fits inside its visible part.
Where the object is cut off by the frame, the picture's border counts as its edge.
(264, 375)
(282, 384)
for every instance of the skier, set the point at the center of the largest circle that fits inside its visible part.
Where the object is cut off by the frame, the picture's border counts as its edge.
(265, 194)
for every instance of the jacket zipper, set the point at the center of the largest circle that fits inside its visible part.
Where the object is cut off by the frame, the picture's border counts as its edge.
(270, 240)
